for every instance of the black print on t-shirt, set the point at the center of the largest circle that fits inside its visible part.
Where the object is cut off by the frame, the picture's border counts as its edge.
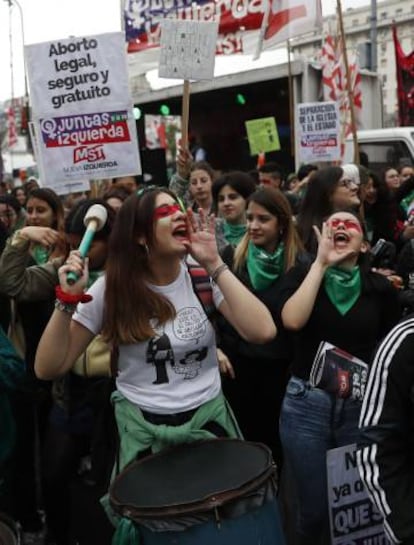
(190, 364)
(190, 324)
(159, 353)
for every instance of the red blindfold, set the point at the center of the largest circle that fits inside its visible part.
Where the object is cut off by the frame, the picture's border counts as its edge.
(166, 210)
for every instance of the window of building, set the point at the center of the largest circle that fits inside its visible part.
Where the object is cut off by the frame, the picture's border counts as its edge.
(355, 22)
(383, 15)
(398, 11)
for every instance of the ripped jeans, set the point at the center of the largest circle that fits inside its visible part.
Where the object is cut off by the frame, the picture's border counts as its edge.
(313, 421)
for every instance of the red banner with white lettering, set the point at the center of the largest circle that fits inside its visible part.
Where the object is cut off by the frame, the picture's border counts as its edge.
(237, 18)
(405, 82)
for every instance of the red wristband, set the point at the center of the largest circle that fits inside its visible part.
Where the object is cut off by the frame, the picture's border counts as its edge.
(72, 299)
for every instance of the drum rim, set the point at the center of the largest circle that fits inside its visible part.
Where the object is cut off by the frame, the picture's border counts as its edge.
(208, 503)
(9, 524)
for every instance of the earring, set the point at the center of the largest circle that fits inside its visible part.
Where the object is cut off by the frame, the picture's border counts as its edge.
(144, 248)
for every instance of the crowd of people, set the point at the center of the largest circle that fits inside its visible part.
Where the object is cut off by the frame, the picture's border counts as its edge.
(131, 358)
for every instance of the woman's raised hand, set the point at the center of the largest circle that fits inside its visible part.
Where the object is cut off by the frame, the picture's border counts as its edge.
(202, 243)
(327, 254)
(184, 161)
(74, 263)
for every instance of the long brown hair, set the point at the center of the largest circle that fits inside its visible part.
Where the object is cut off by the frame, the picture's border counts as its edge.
(130, 305)
(275, 203)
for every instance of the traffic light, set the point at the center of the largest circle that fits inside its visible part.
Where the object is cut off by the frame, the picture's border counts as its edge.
(240, 99)
(164, 109)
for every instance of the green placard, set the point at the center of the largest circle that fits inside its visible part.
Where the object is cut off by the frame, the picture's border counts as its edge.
(262, 135)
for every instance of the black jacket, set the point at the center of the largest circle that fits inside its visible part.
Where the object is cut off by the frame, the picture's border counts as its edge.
(386, 451)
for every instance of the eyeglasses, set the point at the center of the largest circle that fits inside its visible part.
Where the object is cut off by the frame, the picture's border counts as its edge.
(347, 182)
(348, 224)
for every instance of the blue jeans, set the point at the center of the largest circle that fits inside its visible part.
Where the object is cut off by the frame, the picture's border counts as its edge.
(313, 421)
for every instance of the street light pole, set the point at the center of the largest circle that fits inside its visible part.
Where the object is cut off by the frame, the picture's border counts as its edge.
(25, 108)
(373, 36)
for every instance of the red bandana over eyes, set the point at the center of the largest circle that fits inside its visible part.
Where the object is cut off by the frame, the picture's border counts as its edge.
(348, 224)
(166, 210)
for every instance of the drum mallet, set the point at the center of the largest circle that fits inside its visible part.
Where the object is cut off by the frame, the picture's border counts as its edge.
(94, 220)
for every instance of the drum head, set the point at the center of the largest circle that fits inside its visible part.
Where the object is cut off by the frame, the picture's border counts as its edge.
(190, 473)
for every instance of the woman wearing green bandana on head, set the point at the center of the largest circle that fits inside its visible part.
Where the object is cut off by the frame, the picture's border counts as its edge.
(336, 300)
(258, 375)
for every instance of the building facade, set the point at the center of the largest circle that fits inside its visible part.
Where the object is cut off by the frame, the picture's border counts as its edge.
(357, 26)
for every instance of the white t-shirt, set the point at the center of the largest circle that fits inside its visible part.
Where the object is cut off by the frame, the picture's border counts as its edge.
(175, 371)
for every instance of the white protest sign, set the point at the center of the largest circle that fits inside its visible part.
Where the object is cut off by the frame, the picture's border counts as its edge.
(93, 146)
(318, 126)
(353, 517)
(78, 75)
(82, 110)
(187, 49)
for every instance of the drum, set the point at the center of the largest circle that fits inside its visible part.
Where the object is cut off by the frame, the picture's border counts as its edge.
(9, 534)
(220, 491)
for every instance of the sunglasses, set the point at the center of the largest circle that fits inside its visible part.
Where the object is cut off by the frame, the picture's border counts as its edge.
(348, 224)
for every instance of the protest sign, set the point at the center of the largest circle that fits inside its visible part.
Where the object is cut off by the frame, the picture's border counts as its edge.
(187, 49)
(354, 519)
(82, 111)
(262, 135)
(318, 126)
(74, 186)
(94, 146)
(78, 75)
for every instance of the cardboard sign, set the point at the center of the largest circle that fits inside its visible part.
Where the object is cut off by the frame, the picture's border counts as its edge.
(82, 111)
(318, 131)
(354, 519)
(78, 74)
(262, 135)
(94, 146)
(187, 49)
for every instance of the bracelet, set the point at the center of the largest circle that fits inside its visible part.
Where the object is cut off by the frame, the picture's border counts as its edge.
(65, 307)
(217, 272)
(72, 299)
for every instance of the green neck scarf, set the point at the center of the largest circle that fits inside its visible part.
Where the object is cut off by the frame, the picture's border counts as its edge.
(264, 268)
(234, 233)
(406, 202)
(343, 287)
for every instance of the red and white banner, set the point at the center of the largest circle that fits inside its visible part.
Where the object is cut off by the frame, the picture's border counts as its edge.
(405, 83)
(11, 127)
(335, 86)
(239, 21)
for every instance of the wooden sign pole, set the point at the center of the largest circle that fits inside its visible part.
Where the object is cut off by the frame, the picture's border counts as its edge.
(185, 114)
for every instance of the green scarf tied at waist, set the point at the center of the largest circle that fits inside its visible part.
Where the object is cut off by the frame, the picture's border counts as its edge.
(264, 268)
(234, 233)
(343, 287)
(137, 434)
